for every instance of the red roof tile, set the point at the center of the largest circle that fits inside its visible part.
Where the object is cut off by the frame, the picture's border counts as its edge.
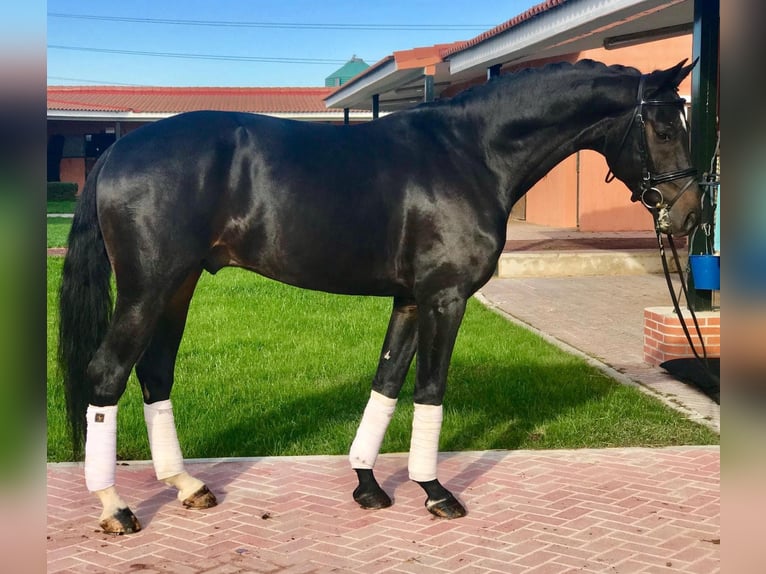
(176, 100)
(423, 56)
(515, 21)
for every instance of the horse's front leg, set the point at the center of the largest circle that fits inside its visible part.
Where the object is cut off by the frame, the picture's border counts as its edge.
(438, 325)
(395, 359)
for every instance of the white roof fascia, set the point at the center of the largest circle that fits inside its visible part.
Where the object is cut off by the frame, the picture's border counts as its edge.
(379, 81)
(557, 25)
(351, 90)
(81, 115)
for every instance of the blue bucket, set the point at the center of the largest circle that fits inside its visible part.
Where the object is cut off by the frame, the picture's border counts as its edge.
(706, 271)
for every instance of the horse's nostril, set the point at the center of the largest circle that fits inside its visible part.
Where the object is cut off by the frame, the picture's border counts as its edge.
(691, 222)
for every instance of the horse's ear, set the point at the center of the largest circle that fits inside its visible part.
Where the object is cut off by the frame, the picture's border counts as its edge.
(669, 79)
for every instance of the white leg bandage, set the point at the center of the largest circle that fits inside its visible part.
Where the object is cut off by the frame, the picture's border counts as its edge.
(100, 447)
(369, 436)
(110, 501)
(185, 483)
(424, 445)
(163, 440)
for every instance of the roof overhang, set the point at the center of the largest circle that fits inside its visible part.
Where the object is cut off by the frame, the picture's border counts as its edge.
(549, 30)
(398, 80)
(572, 26)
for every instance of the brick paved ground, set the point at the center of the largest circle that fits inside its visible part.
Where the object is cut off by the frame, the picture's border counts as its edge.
(613, 510)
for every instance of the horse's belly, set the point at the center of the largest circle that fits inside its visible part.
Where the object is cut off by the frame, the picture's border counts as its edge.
(332, 269)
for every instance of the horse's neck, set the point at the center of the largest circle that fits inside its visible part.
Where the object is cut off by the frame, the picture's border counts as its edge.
(533, 128)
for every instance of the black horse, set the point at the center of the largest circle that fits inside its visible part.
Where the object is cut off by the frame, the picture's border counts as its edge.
(412, 206)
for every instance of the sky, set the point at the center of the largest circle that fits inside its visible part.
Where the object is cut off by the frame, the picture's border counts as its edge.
(247, 42)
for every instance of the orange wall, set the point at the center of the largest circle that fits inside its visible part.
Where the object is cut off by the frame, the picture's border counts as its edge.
(649, 56)
(73, 170)
(603, 206)
(550, 202)
(607, 206)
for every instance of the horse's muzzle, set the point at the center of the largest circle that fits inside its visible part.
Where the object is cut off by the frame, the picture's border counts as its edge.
(675, 221)
(677, 216)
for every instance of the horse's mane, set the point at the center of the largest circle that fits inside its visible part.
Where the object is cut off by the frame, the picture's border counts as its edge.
(524, 75)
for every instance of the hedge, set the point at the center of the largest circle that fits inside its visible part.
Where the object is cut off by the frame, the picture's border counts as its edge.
(62, 191)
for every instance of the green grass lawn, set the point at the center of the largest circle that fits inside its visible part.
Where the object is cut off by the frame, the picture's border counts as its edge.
(267, 369)
(58, 231)
(66, 206)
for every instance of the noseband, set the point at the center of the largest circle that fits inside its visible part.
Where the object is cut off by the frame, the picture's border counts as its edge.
(648, 192)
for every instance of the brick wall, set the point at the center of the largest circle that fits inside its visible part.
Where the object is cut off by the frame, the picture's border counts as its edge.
(73, 169)
(664, 337)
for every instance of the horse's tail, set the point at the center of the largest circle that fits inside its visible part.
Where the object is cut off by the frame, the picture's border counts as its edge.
(85, 305)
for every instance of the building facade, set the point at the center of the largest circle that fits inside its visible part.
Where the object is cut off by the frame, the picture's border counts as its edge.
(84, 120)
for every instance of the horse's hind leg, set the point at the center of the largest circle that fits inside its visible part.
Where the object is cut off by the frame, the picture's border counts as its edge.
(155, 373)
(395, 359)
(108, 372)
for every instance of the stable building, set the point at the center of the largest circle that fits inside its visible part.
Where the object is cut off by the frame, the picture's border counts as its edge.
(84, 120)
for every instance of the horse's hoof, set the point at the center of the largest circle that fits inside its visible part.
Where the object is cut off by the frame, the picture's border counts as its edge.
(121, 522)
(372, 499)
(203, 498)
(447, 507)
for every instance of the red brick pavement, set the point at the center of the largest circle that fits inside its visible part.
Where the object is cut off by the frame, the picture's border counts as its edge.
(538, 512)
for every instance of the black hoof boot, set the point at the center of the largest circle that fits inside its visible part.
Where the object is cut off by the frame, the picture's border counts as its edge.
(121, 522)
(441, 502)
(369, 494)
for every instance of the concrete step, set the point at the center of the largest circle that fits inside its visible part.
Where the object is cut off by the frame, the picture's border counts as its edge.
(577, 263)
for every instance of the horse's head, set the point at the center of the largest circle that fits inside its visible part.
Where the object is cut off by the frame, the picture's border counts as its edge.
(649, 152)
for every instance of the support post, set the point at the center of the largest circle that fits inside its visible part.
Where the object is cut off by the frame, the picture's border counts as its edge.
(704, 128)
(428, 88)
(375, 106)
(345, 116)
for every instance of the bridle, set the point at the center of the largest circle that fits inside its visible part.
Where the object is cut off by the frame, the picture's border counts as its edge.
(648, 192)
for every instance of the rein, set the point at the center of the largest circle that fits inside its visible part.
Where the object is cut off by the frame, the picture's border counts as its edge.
(674, 298)
(654, 200)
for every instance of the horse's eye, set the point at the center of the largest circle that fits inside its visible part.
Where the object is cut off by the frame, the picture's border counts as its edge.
(664, 136)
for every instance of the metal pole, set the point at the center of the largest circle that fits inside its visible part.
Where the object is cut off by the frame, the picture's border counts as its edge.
(704, 125)
(493, 71)
(375, 106)
(428, 88)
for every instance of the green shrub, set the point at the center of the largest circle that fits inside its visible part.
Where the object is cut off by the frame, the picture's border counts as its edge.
(62, 191)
